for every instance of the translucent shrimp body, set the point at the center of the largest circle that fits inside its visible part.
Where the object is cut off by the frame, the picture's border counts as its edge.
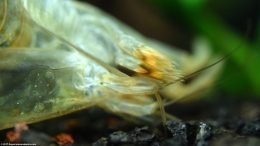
(61, 56)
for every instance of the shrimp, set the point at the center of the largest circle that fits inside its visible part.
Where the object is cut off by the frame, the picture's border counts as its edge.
(59, 57)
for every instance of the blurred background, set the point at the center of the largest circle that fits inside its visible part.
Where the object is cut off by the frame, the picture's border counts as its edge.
(232, 27)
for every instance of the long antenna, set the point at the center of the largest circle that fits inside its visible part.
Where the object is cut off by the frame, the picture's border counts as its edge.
(214, 63)
(208, 66)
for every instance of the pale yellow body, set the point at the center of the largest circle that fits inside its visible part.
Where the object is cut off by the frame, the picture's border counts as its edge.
(67, 56)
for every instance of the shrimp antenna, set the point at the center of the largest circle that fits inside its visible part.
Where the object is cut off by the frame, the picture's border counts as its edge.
(249, 25)
(203, 68)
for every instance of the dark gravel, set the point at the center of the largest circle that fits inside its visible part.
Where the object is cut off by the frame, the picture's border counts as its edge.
(223, 125)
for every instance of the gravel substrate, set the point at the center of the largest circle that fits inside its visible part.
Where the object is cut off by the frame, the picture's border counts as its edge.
(223, 125)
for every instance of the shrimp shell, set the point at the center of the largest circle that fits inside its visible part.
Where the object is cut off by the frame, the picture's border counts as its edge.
(12, 25)
(59, 57)
(50, 75)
